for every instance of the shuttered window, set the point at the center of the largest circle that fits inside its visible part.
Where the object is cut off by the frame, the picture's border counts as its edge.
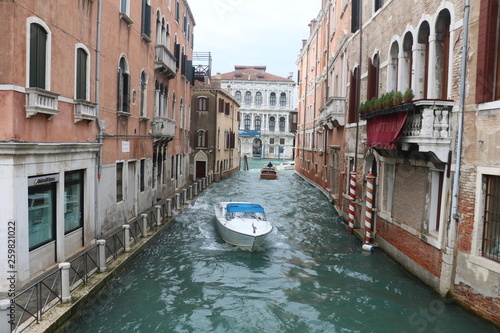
(123, 88)
(38, 56)
(81, 74)
(146, 18)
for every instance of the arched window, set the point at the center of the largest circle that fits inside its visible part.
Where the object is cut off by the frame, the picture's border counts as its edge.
(442, 53)
(248, 98)
(144, 84)
(282, 124)
(123, 86)
(82, 74)
(407, 63)
(38, 56)
(247, 122)
(237, 95)
(258, 98)
(201, 139)
(282, 99)
(392, 68)
(272, 123)
(257, 123)
(373, 78)
(156, 106)
(173, 107)
(272, 99)
(422, 68)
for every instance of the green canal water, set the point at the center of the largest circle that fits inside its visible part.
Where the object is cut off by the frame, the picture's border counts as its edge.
(311, 275)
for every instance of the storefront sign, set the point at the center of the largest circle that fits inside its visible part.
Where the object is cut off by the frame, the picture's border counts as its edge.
(384, 131)
(41, 180)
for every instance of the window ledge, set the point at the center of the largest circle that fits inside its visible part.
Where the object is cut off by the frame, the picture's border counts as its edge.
(123, 114)
(146, 38)
(41, 101)
(485, 263)
(126, 18)
(143, 118)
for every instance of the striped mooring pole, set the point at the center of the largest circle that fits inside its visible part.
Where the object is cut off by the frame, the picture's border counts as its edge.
(352, 194)
(370, 180)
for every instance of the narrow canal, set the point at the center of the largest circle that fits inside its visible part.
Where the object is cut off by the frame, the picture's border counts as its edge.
(310, 275)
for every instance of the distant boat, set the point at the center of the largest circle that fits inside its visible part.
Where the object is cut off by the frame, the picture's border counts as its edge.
(242, 224)
(286, 166)
(268, 172)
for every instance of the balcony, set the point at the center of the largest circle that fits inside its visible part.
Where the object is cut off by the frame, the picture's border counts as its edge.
(85, 110)
(41, 101)
(333, 112)
(163, 128)
(165, 61)
(424, 124)
(428, 126)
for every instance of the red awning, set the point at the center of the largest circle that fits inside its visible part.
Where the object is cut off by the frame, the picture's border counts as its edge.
(384, 131)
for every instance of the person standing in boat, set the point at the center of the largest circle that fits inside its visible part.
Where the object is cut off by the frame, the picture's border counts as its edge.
(269, 165)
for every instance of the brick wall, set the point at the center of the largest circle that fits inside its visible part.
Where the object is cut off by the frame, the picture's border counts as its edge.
(486, 307)
(417, 250)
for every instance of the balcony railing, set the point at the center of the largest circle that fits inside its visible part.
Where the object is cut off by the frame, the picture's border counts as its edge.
(85, 110)
(428, 125)
(165, 61)
(333, 112)
(163, 127)
(41, 101)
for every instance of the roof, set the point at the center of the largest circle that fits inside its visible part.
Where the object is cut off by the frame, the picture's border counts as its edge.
(244, 207)
(253, 73)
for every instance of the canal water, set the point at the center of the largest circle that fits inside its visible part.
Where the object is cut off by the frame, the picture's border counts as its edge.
(310, 275)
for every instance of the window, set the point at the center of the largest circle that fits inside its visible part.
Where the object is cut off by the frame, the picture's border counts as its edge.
(173, 107)
(258, 98)
(443, 53)
(123, 87)
(271, 141)
(355, 19)
(247, 122)
(353, 98)
(184, 25)
(422, 72)
(146, 18)
(272, 124)
(125, 6)
(201, 139)
(142, 176)
(238, 96)
(82, 74)
(38, 55)
(177, 11)
(272, 99)
(143, 100)
(248, 98)
(373, 78)
(282, 124)
(73, 201)
(407, 64)
(119, 182)
(392, 68)
(491, 231)
(202, 104)
(377, 5)
(282, 99)
(257, 123)
(41, 214)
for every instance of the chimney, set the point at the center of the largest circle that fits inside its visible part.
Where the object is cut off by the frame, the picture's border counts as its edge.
(217, 80)
(312, 25)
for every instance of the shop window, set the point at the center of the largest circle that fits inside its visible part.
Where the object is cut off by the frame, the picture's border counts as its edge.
(41, 214)
(73, 201)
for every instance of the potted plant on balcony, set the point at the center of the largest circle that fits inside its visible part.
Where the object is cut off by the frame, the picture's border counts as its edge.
(408, 96)
(398, 98)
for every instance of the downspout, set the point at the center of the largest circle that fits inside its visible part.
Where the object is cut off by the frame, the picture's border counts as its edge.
(314, 133)
(358, 85)
(456, 179)
(100, 135)
(325, 137)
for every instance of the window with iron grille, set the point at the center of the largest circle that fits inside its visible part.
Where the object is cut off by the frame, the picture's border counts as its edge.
(491, 232)
(119, 183)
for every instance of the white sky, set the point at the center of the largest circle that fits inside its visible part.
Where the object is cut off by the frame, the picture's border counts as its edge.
(253, 32)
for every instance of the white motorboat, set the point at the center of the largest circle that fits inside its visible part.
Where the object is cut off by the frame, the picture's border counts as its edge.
(242, 224)
(286, 166)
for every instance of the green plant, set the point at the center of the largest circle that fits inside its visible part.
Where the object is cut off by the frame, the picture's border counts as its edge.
(363, 108)
(390, 99)
(408, 95)
(398, 98)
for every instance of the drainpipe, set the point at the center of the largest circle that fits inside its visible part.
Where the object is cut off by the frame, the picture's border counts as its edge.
(99, 136)
(454, 205)
(358, 92)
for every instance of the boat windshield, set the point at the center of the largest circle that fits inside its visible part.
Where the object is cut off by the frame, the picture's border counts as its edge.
(246, 215)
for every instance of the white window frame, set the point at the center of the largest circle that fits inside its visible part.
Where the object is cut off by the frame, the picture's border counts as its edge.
(87, 81)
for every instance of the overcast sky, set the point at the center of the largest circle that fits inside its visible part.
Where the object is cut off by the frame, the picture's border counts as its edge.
(253, 32)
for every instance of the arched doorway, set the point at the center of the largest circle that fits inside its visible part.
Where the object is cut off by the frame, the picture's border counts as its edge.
(200, 162)
(257, 148)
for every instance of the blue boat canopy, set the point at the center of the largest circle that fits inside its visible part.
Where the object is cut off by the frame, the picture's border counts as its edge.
(244, 207)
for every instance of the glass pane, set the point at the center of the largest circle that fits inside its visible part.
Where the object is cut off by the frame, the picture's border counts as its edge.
(41, 214)
(73, 201)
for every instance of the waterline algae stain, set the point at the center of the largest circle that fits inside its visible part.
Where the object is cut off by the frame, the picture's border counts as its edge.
(310, 275)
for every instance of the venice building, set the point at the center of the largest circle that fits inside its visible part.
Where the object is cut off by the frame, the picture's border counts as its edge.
(267, 115)
(95, 121)
(404, 104)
